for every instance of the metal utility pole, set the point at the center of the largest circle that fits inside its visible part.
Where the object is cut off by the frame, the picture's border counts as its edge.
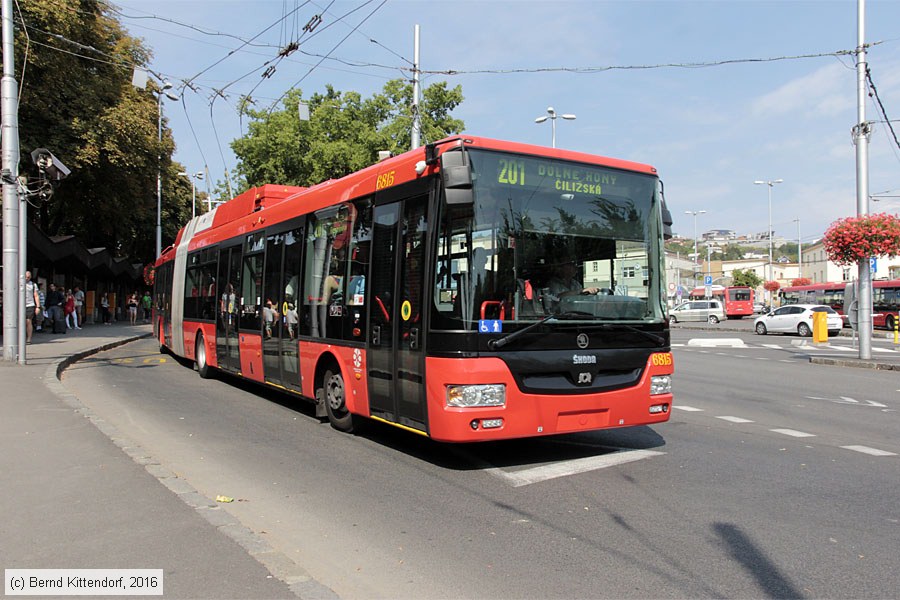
(861, 133)
(10, 169)
(417, 122)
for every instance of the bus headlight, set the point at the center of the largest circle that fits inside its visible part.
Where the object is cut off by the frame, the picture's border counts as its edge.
(660, 384)
(464, 396)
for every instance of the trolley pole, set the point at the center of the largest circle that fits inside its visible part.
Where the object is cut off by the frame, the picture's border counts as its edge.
(861, 138)
(417, 121)
(10, 172)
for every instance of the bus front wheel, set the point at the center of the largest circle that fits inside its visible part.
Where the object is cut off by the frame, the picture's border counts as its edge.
(203, 367)
(335, 395)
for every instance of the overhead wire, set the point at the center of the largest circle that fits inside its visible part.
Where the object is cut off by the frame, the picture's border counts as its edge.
(336, 46)
(27, 49)
(874, 94)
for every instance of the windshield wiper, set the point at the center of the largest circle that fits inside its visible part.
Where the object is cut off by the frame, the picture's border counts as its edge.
(652, 336)
(499, 343)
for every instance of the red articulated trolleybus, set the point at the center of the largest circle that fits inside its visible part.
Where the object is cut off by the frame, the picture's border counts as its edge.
(420, 292)
(737, 299)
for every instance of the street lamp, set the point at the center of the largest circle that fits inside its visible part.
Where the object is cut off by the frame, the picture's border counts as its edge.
(696, 255)
(771, 184)
(159, 98)
(551, 114)
(193, 178)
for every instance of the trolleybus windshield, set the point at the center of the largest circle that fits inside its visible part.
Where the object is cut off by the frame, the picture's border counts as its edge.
(544, 237)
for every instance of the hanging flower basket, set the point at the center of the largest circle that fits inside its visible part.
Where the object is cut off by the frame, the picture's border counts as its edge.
(772, 286)
(855, 239)
(149, 274)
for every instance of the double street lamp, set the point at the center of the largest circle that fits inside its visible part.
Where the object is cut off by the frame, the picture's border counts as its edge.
(194, 178)
(770, 184)
(696, 255)
(551, 114)
(162, 91)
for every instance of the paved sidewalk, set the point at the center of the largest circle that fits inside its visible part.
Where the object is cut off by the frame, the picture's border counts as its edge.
(77, 495)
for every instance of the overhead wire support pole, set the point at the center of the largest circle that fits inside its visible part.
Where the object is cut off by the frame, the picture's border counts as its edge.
(12, 295)
(417, 122)
(861, 138)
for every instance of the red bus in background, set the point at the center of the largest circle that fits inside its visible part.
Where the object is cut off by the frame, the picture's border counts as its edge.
(885, 299)
(738, 300)
(422, 292)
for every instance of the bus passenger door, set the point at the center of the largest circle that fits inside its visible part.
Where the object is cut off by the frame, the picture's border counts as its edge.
(228, 291)
(396, 358)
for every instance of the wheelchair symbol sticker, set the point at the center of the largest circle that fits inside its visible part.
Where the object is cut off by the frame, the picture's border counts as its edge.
(490, 326)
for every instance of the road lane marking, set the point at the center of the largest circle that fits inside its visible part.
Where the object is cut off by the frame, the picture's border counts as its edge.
(522, 477)
(793, 433)
(711, 342)
(687, 408)
(870, 451)
(735, 419)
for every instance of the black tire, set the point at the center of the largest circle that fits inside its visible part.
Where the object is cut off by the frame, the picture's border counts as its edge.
(203, 367)
(712, 319)
(761, 329)
(334, 393)
(803, 330)
(889, 322)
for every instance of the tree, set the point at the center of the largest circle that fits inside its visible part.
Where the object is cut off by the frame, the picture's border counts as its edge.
(77, 100)
(733, 252)
(788, 250)
(749, 278)
(344, 133)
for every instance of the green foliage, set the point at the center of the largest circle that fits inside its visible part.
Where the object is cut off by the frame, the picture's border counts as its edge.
(789, 250)
(344, 133)
(683, 248)
(86, 111)
(750, 278)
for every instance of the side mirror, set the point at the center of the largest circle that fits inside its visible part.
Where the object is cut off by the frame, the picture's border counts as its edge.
(456, 173)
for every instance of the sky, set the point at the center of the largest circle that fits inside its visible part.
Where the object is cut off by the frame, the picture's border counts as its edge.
(757, 111)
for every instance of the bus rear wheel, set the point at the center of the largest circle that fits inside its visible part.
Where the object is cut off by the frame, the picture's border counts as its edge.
(335, 395)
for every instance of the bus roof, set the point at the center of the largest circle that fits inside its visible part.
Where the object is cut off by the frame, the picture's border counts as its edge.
(241, 211)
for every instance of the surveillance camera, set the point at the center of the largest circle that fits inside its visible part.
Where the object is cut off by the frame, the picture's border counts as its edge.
(49, 165)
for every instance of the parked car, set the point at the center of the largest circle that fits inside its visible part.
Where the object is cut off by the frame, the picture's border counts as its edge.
(710, 311)
(797, 318)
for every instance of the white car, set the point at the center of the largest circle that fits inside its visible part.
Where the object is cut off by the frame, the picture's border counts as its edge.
(797, 318)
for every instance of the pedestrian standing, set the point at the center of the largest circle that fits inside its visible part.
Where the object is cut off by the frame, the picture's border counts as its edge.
(71, 315)
(32, 305)
(55, 301)
(79, 304)
(146, 303)
(132, 307)
(104, 307)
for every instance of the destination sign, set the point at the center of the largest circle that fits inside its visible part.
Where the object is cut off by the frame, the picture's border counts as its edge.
(569, 177)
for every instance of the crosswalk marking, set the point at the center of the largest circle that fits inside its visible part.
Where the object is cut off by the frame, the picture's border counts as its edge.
(793, 433)
(520, 477)
(870, 451)
(735, 419)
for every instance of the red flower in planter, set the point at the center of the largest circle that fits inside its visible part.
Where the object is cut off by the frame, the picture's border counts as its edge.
(772, 286)
(149, 274)
(854, 239)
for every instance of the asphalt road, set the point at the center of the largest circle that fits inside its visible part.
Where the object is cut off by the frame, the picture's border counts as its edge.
(774, 478)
